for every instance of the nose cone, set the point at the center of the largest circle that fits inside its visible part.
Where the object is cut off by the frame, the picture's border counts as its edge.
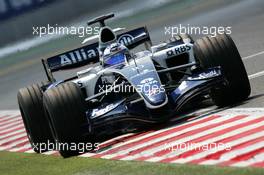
(148, 85)
(156, 96)
(158, 99)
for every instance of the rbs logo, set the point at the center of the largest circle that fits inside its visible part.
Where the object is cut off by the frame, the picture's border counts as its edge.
(178, 50)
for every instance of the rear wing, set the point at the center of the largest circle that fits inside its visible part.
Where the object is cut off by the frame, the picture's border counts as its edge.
(89, 53)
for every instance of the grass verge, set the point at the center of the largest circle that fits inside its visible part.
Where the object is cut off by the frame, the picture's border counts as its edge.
(21, 163)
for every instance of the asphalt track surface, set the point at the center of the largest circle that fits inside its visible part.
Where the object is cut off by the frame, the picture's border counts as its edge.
(244, 124)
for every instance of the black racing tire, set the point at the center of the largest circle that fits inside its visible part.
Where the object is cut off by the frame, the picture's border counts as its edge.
(32, 112)
(222, 51)
(65, 107)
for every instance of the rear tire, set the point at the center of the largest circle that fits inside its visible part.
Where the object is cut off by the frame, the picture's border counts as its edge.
(222, 51)
(32, 112)
(65, 107)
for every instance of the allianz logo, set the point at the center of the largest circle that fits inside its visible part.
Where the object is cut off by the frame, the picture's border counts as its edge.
(126, 39)
(77, 56)
(82, 54)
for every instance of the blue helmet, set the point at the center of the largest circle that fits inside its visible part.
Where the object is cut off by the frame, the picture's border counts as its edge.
(114, 54)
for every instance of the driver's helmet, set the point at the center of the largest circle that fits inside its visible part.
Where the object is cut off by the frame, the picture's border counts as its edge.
(114, 54)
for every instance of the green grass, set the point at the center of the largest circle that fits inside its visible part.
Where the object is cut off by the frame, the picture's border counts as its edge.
(20, 163)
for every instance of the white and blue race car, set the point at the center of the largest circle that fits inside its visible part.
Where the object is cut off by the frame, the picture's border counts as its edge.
(123, 90)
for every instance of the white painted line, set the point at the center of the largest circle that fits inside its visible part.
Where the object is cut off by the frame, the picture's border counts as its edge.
(10, 121)
(14, 144)
(256, 75)
(117, 138)
(168, 136)
(253, 55)
(259, 111)
(8, 112)
(10, 129)
(161, 130)
(11, 133)
(11, 115)
(119, 145)
(232, 154)
(50, 152)
(15, 123)
(227, 116)
(208, 141)
(256, 159)
(124, 151)
(231, 144)
(12, 138)
(87, 155)
(150, 152)
(30, 151)
(210, 162)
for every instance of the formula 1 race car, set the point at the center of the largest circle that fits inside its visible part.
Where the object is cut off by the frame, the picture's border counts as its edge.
(120, 90)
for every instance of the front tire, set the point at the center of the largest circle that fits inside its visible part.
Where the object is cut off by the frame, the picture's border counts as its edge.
(32, 112)
(65, 107)
(222, 51)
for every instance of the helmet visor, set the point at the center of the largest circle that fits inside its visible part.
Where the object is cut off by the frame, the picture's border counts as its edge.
(115, 59)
